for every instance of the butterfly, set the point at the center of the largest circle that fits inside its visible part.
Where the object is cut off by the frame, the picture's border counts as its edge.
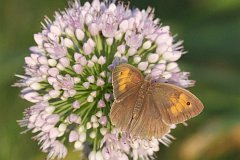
(147, 109)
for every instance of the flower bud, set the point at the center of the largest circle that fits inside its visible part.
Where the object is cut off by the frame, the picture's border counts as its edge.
(82, 137)
(36, 86)
(81, 129)
(89, 125)
(43, 60)
(93, 118)
(68, 43)
(53, 119)
(90, 64)
(147, 45)
(83, 61)
(173, 66)
(93, 29)
(94, 93)
(44, 69)
(166, 75)
(52, 62)
(100, 82)
(55, 30)
(76, 80)
(87, 49)
(60, 67)
(121, 49)
(73, 136)
(95, 124)
(39, 122)
(79, 34)
(137, 59)
(123, 25)
(53, 133)
(162, 38)
(102, 60)
(91, 42)
(103, 74)
(103, 131)
(142, 66)
(54, 93)
(94, 58)
(91, 79)
(62, 127)
(64, 61)
(47, 127)
(132, 51)
(107, 96)
(118, 36)
(73, 118)
(92, 135)
(76, 104)
(78, 68)
(88, 18)
(29, 61)
(32, 118)
(92, 155)
(99, 155)
(50, 109)
(101, 104)
(38, 39)
(86, 85)
(153, 58)
(53, 72)
(90, 98)
(103, 120)
(169, 56)
(69, 32)
(31, 97)
(162, 48)
(109, 41)
(78, 145)
(99, 114)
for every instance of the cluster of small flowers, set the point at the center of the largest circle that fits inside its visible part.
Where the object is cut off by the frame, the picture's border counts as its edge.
(68, 77)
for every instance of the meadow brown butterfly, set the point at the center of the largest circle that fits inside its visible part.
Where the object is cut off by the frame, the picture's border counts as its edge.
(147, 109)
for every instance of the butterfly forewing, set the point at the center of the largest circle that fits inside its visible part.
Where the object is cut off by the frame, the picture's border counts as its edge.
(126, 79)
(175, 104)
(148, 123)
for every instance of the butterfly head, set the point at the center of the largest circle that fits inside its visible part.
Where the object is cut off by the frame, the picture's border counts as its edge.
(154, 80)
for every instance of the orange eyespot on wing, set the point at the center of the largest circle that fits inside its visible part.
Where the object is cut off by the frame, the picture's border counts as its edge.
(175, 104)
(180, 104)
(126, 79)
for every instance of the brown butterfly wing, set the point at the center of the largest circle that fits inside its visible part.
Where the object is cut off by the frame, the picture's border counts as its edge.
(126, 79)
(122, 112)
(148, 123)
(175, 104)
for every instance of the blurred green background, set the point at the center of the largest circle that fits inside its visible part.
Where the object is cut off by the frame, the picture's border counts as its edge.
(211, 33)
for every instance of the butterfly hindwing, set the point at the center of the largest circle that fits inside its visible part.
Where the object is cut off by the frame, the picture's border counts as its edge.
(125, 79)
(122, 112)
(148, 123)
(175, 104)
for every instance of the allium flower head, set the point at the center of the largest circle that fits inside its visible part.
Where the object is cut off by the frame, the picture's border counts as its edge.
(68, 77)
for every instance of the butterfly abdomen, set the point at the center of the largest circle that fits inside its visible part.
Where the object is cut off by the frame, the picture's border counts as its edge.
(140, 98)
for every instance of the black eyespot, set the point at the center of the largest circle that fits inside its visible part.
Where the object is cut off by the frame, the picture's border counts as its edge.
(121, 73)
(188, 103)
